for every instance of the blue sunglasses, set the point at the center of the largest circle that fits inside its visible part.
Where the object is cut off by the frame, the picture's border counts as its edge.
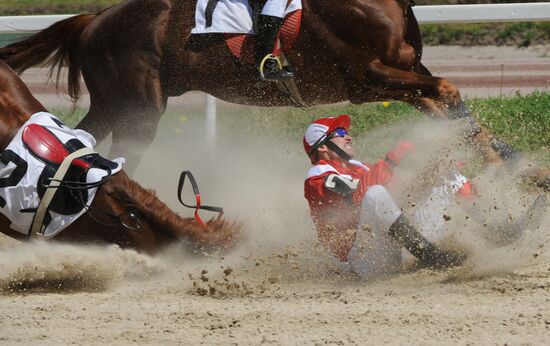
(339, 132)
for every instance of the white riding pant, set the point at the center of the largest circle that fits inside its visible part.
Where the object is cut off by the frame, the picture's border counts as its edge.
(374, 251)
(275, 8)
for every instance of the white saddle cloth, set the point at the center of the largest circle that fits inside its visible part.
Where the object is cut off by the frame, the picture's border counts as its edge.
(231, 16)
(24, 194)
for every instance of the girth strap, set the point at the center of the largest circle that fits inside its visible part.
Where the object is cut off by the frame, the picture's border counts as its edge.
(52, 189)
(209, 11)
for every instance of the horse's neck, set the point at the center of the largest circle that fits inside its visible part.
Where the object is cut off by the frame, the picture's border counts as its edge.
(157, 214)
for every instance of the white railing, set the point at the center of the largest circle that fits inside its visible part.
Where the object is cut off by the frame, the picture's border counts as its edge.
(532, 11)
(526, 12)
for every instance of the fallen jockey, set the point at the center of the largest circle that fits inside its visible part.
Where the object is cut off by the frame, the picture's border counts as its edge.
(237, 16)
(357, 219)
(50, 175)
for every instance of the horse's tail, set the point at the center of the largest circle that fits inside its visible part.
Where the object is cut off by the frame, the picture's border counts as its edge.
(56, 45)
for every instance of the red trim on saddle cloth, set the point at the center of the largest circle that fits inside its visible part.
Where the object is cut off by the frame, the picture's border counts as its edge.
(243, 45)
(44, 145)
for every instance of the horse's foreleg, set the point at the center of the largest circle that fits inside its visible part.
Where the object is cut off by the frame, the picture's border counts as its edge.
(95, 123)
(129, 105)
(131, 138)
(491, 149)
(418, 85)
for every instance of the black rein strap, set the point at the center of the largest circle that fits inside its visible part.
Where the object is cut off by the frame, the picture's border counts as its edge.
(198, 206)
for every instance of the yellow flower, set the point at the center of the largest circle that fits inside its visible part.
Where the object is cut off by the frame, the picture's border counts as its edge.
(386, 103)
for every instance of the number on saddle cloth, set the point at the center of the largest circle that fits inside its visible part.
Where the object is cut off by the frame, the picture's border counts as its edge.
(256, 6)
(46, 147)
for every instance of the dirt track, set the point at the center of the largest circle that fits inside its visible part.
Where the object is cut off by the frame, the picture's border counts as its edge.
(281, 289)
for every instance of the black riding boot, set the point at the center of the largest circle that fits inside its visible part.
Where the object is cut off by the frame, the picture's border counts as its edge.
(268, 28)
(428, 254)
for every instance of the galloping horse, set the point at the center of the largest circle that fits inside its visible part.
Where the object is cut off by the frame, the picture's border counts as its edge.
(119, 196)
(136, 54)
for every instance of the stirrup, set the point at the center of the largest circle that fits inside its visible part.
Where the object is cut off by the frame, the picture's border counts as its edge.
(264, 60)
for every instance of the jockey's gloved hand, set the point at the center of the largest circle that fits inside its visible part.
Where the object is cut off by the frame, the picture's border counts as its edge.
(399, 152)
(340, 184)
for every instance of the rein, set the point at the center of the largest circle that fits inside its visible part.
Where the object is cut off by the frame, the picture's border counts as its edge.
(45, 146)
(128, 220)
(198, 205)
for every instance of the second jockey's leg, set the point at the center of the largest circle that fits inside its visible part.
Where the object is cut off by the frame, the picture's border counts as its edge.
(382, 231)
(269, 22)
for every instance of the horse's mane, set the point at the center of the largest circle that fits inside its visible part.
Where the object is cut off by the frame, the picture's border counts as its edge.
(129, 194)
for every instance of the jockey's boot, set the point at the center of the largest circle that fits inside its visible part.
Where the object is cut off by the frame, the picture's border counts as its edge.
(268, 64)
(426, 252)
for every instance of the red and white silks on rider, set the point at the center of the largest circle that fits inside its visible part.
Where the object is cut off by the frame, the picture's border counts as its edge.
(334, 213)
(370, 211)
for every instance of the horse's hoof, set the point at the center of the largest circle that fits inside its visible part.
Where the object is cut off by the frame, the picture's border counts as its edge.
(505, 151)
(460, 111)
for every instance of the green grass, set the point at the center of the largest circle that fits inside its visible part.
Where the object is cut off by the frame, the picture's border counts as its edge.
(522, 121)
(520, 34)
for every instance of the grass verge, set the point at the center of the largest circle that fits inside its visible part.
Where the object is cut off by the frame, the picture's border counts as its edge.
(522, 121)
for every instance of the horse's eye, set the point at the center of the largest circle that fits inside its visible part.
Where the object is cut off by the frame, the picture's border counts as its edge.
(130, 221)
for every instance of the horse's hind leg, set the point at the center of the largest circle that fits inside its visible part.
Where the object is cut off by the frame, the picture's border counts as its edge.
(129, 105)
(437, 97)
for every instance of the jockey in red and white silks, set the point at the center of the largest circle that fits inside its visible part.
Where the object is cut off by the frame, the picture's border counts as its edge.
(356, 218)
(20, 170)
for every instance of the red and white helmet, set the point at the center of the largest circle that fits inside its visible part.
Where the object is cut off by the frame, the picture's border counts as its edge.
(317, 133)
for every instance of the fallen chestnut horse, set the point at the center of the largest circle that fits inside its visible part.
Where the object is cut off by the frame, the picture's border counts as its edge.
(136, 54)
(124, 213)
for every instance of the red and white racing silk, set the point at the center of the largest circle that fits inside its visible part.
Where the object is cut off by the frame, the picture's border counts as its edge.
(235, 16)
(20, 171)
(335, 213)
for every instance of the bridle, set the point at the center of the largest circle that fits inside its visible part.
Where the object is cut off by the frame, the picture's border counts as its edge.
(198, 205)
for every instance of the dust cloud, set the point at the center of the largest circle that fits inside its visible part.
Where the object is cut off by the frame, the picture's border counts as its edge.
(278, 283)
(258, 180)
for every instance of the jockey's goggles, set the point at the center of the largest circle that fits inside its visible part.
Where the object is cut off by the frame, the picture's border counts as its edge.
(339, 132)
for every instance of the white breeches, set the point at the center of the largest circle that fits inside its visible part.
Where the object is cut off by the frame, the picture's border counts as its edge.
(375, 252)
(275, 8)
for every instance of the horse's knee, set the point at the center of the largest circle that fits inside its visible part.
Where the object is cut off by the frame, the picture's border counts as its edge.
(407, 56)
(398, 55)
